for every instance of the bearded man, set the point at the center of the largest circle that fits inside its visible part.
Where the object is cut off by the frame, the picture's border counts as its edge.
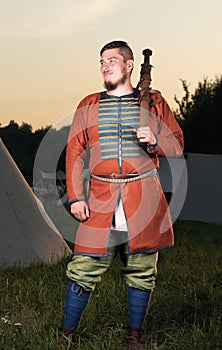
(125, 210)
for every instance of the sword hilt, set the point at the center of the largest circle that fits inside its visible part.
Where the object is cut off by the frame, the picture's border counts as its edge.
(147, 53)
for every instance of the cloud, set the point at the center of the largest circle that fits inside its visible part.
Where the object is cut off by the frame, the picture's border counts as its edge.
(38, 18)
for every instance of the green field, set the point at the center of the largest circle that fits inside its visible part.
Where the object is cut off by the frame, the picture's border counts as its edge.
(185, 311)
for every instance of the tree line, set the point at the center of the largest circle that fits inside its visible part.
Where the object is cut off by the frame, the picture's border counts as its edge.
(23, 144)
(199, 115)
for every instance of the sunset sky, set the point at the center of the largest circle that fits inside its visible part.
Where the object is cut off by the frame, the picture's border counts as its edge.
(50, 50)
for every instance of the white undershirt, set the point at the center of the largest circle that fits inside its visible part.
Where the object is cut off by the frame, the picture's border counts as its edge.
(120, 218)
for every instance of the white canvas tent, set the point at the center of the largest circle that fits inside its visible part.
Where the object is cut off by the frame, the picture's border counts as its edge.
(27, 235)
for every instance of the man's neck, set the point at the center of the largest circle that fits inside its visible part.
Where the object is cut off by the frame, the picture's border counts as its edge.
(121, 90)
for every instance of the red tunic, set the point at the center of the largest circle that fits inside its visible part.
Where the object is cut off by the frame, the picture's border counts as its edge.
(146, 210)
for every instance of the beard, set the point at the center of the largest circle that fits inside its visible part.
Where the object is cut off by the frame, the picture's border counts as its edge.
(109, 86)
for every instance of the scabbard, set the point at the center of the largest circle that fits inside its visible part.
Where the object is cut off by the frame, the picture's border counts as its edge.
(144, 112)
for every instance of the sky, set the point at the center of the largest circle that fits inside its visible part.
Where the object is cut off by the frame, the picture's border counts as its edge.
(49, 56)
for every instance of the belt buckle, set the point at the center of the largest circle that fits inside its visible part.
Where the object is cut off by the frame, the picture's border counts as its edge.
(113, 175)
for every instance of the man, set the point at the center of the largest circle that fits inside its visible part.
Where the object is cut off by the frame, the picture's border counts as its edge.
(126, 207)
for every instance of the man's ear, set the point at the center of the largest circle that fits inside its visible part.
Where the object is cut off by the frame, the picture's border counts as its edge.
(130, 65)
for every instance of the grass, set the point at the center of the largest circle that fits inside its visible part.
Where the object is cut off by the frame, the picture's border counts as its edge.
(185, 311)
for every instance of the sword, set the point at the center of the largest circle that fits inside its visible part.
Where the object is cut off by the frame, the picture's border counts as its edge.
(144, 86)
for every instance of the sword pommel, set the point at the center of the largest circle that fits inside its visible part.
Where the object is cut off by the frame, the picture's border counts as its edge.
(147, 53)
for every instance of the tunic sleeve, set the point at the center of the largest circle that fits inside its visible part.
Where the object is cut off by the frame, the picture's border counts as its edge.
(169, 135)
(76, 155)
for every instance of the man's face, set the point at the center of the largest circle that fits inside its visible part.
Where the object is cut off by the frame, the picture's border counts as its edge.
(113, 68)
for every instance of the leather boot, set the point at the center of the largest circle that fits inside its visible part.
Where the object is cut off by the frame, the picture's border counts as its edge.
(133, 339)
(67, 337)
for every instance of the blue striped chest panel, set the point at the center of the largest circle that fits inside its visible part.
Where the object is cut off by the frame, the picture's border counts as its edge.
(117, 119)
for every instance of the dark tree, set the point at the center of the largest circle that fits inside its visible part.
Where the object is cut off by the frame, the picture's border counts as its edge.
(199, 115)
(22, 143)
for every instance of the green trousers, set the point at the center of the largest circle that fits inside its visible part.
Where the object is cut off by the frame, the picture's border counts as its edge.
(139, 270)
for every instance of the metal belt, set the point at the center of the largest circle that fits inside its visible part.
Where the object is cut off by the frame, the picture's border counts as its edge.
(115, 178)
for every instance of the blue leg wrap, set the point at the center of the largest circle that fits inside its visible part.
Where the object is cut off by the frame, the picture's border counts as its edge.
(138, 302)
(76, 301)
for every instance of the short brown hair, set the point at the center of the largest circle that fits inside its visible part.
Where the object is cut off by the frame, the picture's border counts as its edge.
(123, 47)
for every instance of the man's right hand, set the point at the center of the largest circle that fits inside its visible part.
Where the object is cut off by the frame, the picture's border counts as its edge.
(80, 210)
